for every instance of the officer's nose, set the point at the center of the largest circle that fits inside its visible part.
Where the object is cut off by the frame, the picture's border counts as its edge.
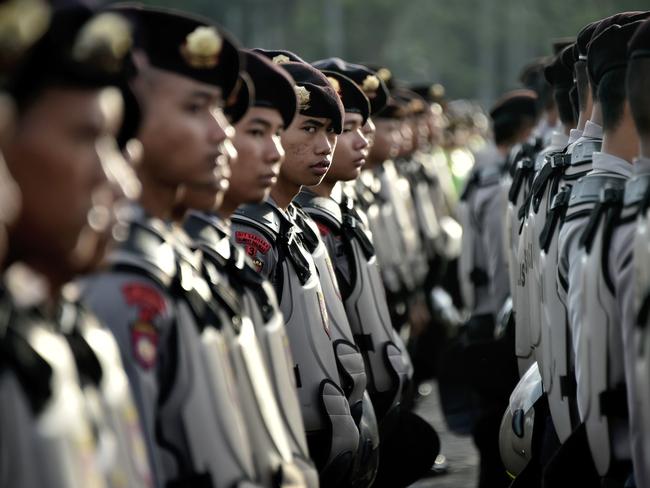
(324, 146)
(360, 141)
(220, 129)
(276, 151)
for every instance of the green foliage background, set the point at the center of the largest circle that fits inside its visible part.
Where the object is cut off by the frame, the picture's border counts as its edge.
(476, 48)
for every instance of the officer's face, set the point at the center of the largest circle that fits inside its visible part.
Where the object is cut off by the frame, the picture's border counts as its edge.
(386, 142)
(309, 144)
(407, 139)
(351, 151)
(259, 154)
(53, 158)
(185, 138)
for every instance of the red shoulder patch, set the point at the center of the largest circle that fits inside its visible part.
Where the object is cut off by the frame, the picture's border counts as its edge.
(323, 229)
(252, 242)
(147, 299)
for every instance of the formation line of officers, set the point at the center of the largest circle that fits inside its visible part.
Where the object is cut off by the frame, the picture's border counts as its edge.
(200, 286)
(555, 268)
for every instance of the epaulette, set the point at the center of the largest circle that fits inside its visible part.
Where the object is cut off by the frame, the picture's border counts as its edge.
(262, 216)
(321, 207)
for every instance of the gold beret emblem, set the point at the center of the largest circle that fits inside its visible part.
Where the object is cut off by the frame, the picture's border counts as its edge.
(22, 22)
(281, 59)
(415, 106)
(335, 84)
(202, 48)
(437, 91)
(104, 41)
(370, 84)
(384, 74)
(303, 97)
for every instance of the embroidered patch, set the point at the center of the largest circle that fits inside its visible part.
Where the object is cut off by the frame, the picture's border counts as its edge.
(147, 299)
(252, 242)
(144, 341)
(323, 229)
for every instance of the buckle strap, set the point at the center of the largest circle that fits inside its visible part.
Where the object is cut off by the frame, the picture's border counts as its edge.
(568, 386)
(613, 403)
(556, 213)
(608, 199)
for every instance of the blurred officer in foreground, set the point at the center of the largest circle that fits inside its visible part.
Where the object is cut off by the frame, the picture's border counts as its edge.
(68, 416)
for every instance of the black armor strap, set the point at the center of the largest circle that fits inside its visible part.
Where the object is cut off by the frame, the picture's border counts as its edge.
(524, 171)
(568, 386)
(613, 403)
(555, 217)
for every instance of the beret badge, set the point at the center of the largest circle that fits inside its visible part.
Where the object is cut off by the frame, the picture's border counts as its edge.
(21, 23)
(303, 97)
(370, 86)
(104, 42)
(280, 59)
(335, 84)
(202, 48)
(384, 74)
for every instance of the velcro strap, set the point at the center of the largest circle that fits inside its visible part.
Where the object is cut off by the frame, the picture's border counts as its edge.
(568, 386)
(613, 403)
(560, 160)
(558, 209)
(351, 230)
(523, 171)
(609, 197)
(479, 277)
(364, 342)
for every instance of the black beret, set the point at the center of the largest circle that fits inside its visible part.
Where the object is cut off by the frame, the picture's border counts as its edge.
(556, 72)
(394, 109)
(413, 103)
(240, 99)
(433, 93)
(272, 86)
(316, 96)
(582, 41)
(279, 56)
(561, 43)
(639, 46)
(608, 50)
(131, 117)
(513, 104)
(351, 95)
(374, 89)
(622, 18)
(186, 45)
(78, 49)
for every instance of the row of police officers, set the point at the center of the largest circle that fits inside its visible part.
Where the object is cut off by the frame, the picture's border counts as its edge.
(200, 286)
(555, 259)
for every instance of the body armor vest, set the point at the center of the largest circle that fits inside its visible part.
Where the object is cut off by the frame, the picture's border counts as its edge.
(279, 442)
(200, 427)
(331, 432)
(602, 400)
(39, 379)
(553, 184)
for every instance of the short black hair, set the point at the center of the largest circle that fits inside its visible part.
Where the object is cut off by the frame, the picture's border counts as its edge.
(582, 83)
(564, 104)
(638, 77)
(506, 129)
(612, 95)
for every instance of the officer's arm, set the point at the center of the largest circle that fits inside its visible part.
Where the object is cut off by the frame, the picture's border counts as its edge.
(140, 316)
(492, 237)
(258, 248)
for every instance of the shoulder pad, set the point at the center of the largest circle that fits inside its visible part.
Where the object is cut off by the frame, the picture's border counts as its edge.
(310, 233)
(584, 150)
(202, 228)
(322, 207)
(262, 216)
(590, 188)
(147, 250)
(636, 190)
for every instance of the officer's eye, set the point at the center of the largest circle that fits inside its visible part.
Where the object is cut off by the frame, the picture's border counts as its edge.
(310, 129)
(330, 130)
(193, 108)
(256, 132)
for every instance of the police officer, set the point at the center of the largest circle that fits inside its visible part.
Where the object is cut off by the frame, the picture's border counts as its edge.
(281, 249)
(482, 270)
(259, 155)
(68, 417)
(171, 335)
(591, 299)
(630, 275)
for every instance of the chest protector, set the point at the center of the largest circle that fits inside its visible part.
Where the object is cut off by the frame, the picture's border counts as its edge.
(472, 274)
(107, 397)
(331, 432)
(553, 184)
(63, 450)
(268, 392)
(602, 400)
(200, 425)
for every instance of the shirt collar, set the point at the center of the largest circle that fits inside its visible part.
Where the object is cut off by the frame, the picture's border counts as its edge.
(574, 135)
(592, 130)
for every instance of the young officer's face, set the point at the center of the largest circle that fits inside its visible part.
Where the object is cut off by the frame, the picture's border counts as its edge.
(351, 151)
(53, 158)
(309, 144)
(368, 130)
(387, 139)
(185, 138)
(259, 154)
